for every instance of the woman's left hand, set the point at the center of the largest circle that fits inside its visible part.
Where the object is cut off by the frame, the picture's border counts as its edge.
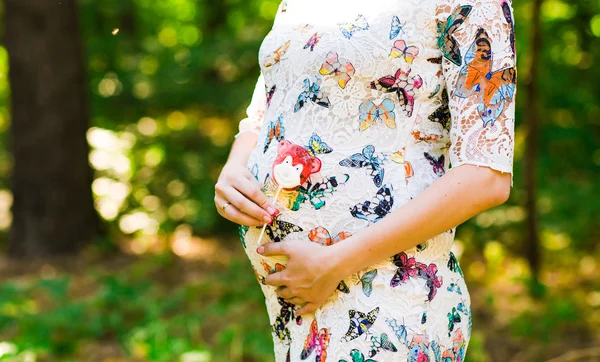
(310, 276)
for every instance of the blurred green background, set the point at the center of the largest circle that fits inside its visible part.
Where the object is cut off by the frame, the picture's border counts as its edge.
(168, 280)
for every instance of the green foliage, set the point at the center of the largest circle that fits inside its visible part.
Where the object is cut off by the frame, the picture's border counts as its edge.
(139, 314)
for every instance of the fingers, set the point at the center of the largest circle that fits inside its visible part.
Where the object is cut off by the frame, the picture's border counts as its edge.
(296, 301)
(308, 308)
(244, 204)
(276, 279)
(251, 189)
(284, 292)
(273, 248)
(233, 214)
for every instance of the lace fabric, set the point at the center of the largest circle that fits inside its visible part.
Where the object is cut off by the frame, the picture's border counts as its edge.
(387, 95)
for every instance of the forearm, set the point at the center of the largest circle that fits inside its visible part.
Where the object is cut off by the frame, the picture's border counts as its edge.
(460, 194)
(241, 147)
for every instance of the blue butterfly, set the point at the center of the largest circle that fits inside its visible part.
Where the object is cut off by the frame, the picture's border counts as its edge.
(399, 330)
(453, 287)
(396, 27)
(367, 159)
(317, 146)
(348, 29)
(312, 92)
(370, 112)
(359, 323)
(367, 282)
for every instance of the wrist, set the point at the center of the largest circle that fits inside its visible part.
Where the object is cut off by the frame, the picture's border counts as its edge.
(340, 260)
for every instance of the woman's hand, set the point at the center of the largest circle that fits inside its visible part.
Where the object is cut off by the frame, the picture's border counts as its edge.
(310, 276)
(238, 197)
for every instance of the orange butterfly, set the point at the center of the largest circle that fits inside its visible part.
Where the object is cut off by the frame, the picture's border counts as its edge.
(278, 267)
(322, 236)
(342, 72)
(494, 90)
(317, 340)
(275, 57)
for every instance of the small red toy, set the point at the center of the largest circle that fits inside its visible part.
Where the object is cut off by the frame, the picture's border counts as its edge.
(293, 165)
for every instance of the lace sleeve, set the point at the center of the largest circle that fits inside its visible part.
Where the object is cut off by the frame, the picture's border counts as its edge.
(476, 38)
(256, 110)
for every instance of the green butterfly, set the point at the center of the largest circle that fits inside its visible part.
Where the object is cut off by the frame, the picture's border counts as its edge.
(357, 357)
(453, 264)
(446, 42)
(453, 317)
(242, 230)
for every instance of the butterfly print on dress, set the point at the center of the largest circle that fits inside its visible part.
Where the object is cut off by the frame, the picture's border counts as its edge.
(376, 209)
(493, 90)
(446, 29)
(404, 85)
(312, 92)
(371, 162)
(359, 323)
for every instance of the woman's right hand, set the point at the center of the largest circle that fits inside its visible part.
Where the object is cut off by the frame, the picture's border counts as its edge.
(238, 188)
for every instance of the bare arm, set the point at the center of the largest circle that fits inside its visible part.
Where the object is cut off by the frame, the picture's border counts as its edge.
(460, 194)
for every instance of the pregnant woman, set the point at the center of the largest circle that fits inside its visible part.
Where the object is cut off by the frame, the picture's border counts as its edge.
(344, 160)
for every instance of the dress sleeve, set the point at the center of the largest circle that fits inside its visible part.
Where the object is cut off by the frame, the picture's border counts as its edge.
(476, 38)
(256, 110)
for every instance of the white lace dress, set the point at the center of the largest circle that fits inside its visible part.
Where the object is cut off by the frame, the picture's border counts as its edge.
(387, 94)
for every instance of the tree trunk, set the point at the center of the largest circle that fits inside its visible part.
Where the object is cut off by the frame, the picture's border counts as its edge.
(53, 210)
(532, 144)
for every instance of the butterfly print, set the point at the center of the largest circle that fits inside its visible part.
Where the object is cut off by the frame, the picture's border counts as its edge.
(275, 57)
(399, 330)
(493, 89)
(348, 29)
(370, 112)
(342, 71)
(315, 192)
(453, 287)
(259, 277)
(359, 323)
(320, 235)
(401, 49)
(424, 318)
(278, 229)
(242, 231)
(442, 114)
(506, 10)
(270, 93)
(422, 246)
(367, 282)
(381, 343)
(408, 267)
(418, 349)
(453, 264)
(437, 60)
(343, 287)
(398, 157)
(437, 163)
(280, 330)
(429, 273)
(316, 341)
(270, 270)
(312, 92)
(446, 29)
(367, 159)
(312, 42)
(357, 356)
(417, 135)
(287, 312)
(453, 318)
(375, 209)
(396, 27)
(275, 131)
(316, 146)
(403, 85)
(305, 28)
